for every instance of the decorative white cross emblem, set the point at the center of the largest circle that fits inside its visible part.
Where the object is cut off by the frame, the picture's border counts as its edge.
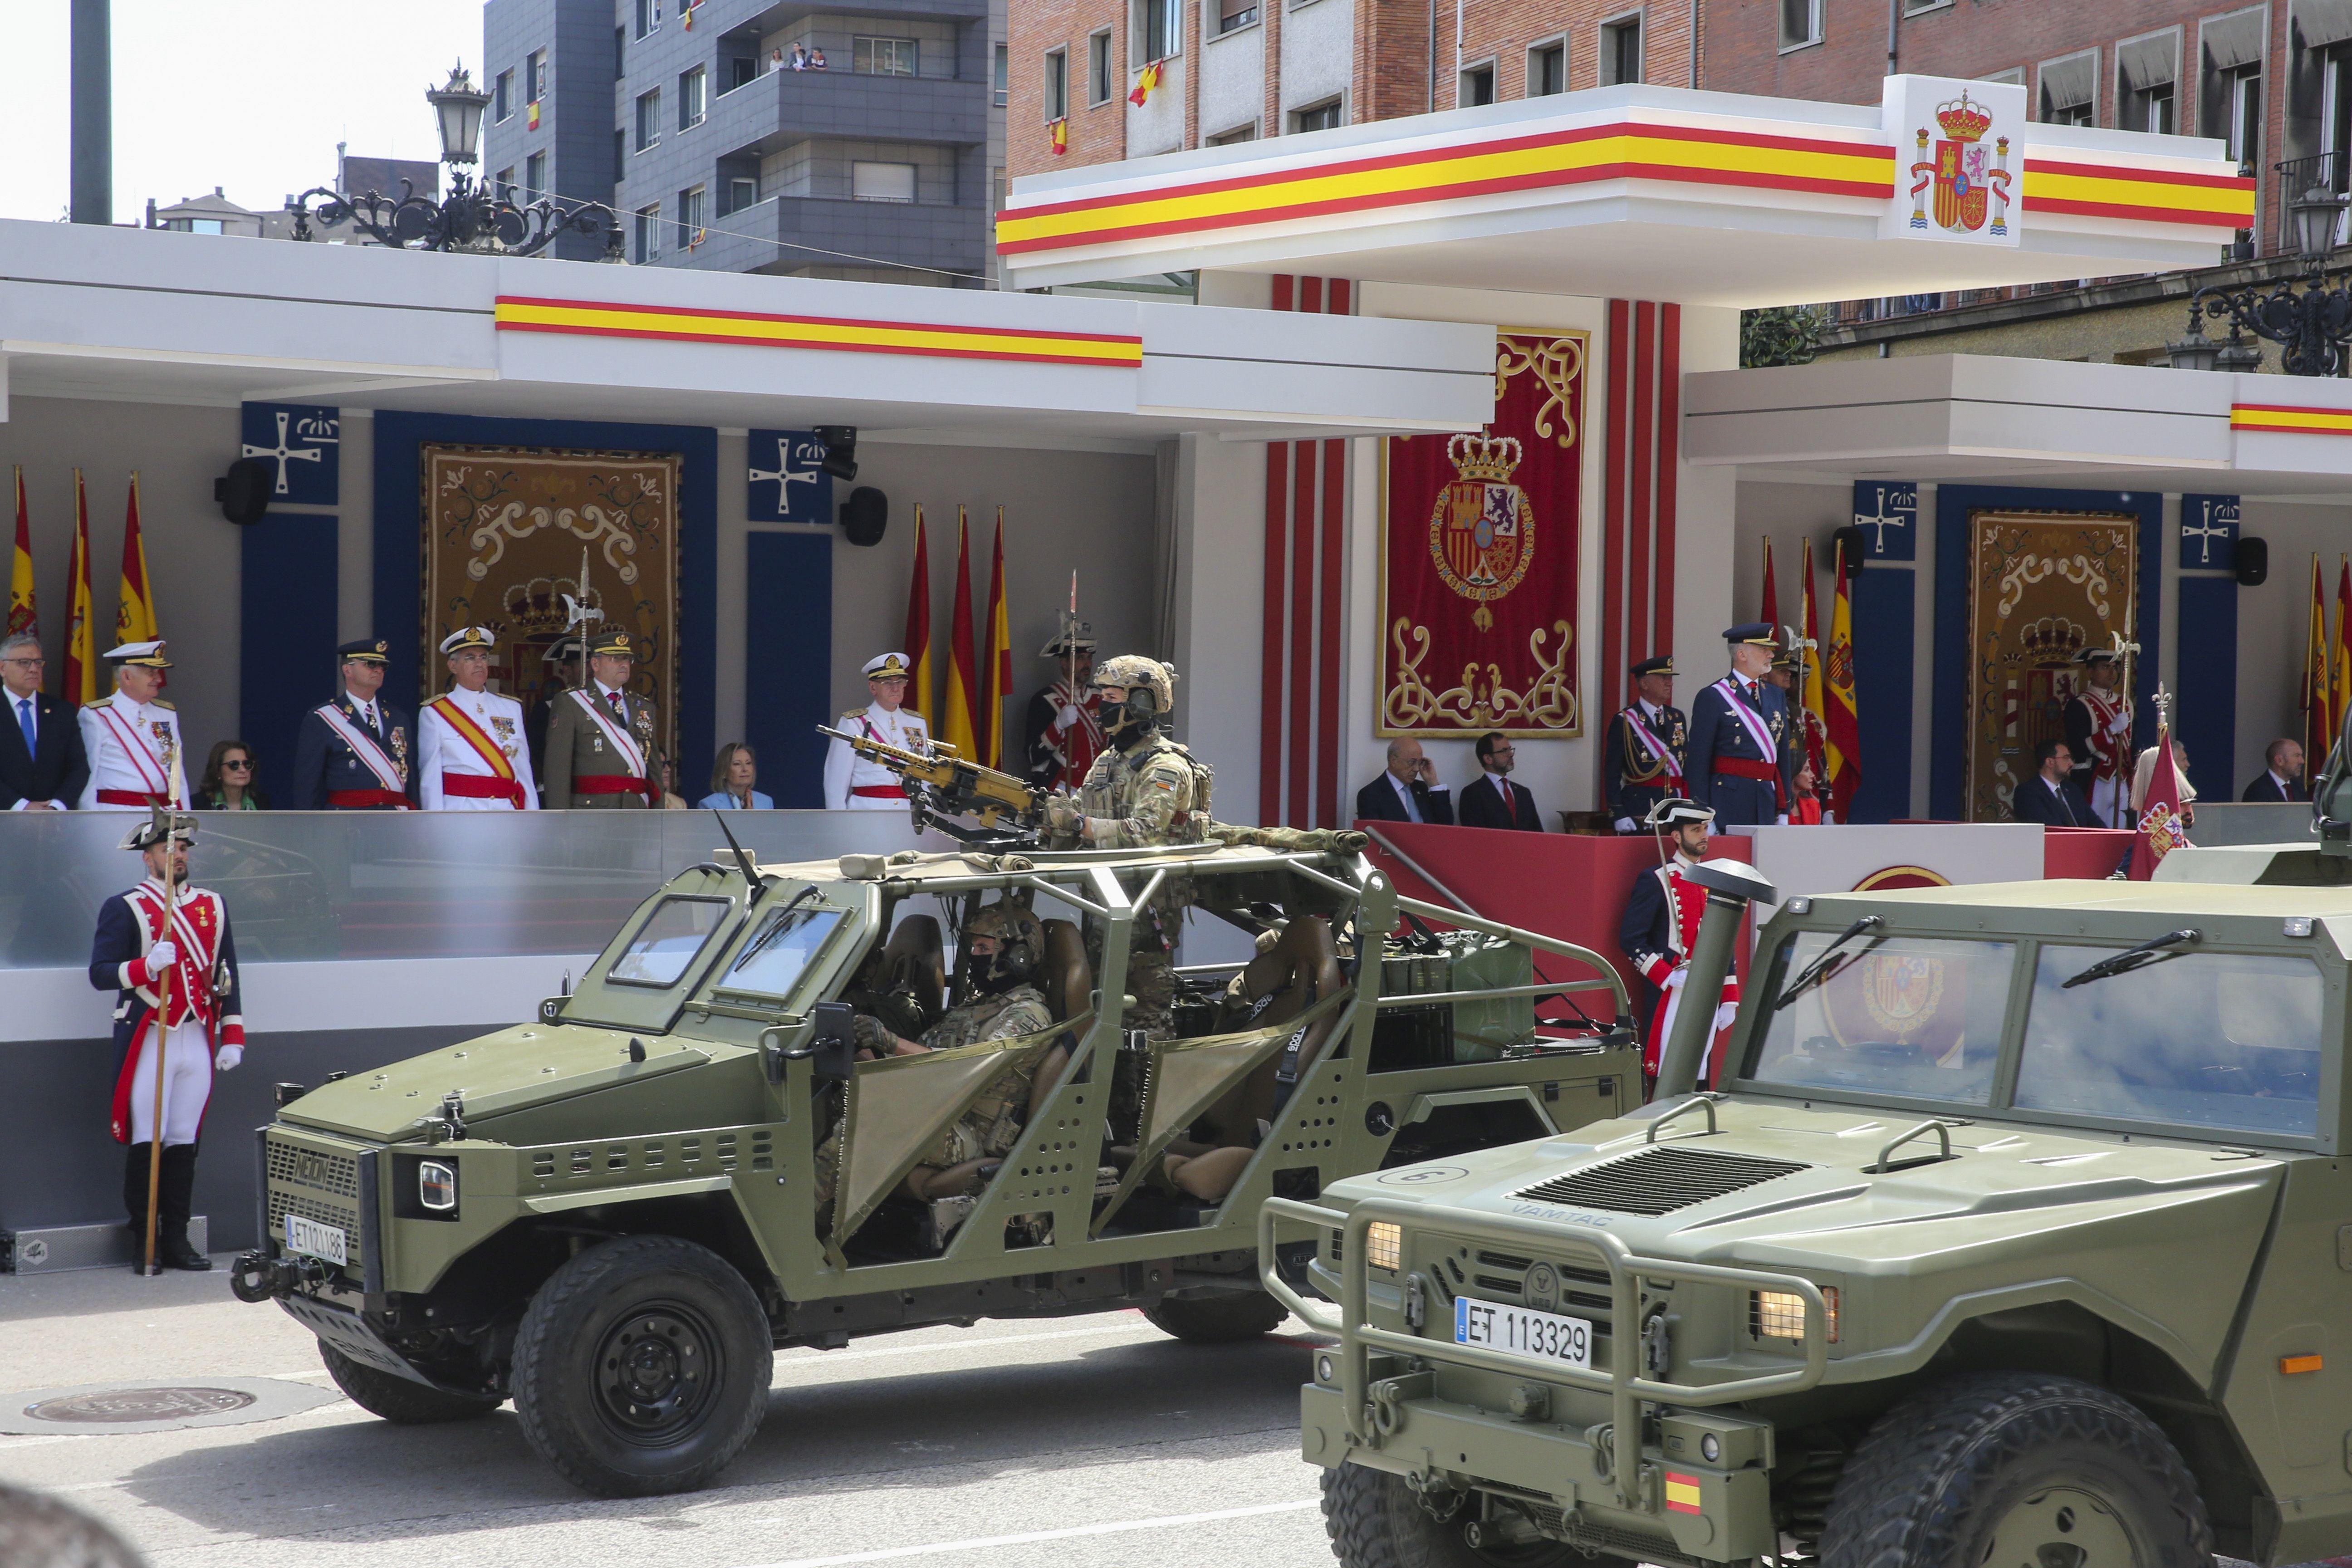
(783, 475)
(282, 452)
(2205, 532)
(1903, 497)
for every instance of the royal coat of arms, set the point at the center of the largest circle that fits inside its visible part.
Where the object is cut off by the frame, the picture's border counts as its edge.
(1482, 531)
(1971, 180)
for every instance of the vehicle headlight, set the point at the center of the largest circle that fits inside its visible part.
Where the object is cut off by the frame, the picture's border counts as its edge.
(1384, 1244)
(1781, 1314)
(436, 1186)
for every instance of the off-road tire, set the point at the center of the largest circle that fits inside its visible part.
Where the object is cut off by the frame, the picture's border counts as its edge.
(1374, 1520)
(1224, 1319)
(605, 1330)
(1941, 1474)
(397, 1399)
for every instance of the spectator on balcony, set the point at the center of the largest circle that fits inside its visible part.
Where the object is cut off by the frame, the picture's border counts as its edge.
(816, 60)
(775, 59)
(731, 778)
(228, 779)
(800, 57)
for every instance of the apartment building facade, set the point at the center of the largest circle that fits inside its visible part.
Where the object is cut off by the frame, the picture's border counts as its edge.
(693, 123)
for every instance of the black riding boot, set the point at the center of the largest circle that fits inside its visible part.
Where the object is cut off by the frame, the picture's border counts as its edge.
(134, 1202)
(179, 1192)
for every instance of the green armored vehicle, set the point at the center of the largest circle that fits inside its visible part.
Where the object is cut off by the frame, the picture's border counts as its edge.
(613, 1215)
(2019, 1235)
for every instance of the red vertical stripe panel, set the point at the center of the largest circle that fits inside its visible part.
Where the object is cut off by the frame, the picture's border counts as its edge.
(1299, 651)
(1282, 282)
(1327, 658)
(1640, 418)
(1269, 716)
(1670, 452)
(1613, 511)
(1310, 295)
(1339, 303)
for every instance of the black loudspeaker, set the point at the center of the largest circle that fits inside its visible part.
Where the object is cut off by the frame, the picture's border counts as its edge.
(244, 490)
(2253, 562)
(864, 515)
(1857, 549)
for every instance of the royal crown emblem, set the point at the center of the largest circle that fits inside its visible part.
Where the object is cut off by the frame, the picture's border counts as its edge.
(1971, 181)
(1482, 530)
(1963, 120)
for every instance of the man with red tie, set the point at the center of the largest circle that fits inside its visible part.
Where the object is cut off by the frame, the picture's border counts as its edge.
(600, 736)
(1491, 800)
(472, 754)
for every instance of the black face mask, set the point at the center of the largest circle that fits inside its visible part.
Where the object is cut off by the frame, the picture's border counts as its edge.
(1001, 970)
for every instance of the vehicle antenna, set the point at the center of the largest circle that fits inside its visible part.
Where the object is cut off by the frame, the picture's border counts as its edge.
(751, 872)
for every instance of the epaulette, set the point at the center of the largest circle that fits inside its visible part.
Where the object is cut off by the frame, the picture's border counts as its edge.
(101, 702)
(158, 702)
(853, 713)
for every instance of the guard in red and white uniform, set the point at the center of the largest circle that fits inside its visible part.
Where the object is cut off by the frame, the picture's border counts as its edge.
(144, 936)
(2099, 733)
(1660, 927)
(853, 784)
(471, 751)
(132, 737)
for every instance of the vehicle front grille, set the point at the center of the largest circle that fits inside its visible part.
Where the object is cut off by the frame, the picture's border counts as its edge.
(324, 1187)
(1659, 1180)
(1582, 1292)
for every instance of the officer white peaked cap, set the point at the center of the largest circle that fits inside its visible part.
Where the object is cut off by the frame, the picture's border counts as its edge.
(1676, 811)
(182, 828)
(882, 666)
(150, 654)
(468, 636)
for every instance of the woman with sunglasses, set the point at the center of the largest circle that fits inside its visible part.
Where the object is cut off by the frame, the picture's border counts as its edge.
(228, 780)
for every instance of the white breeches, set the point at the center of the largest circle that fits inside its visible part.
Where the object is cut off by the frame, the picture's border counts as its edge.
(187, 1084)
(2106, 796)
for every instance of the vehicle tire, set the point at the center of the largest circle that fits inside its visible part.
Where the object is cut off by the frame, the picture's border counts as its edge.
(398, 1400)
(2020, 1468)
(1224, 1319)
(1374, 1520)
(642, 1367)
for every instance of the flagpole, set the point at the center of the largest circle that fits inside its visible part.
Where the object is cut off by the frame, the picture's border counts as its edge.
(163, 1024)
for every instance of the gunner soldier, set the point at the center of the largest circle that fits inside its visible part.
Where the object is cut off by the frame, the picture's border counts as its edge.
(132, 736)
(1643, 756)
(471, 753)
(600, 736)
(352, 754)
(853, 784)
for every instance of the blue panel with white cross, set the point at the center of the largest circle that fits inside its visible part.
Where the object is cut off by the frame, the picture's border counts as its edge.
(302, 444)
(786, 485)
(1887, 512)
(2208, 533)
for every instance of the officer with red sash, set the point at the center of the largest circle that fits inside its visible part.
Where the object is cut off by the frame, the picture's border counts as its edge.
(600, 736)
(144, 935)
(352, 754)
(1641, 760)
(853, 784)
(1660, 927)
(131, 736)
(1742, 760)
(471, 751)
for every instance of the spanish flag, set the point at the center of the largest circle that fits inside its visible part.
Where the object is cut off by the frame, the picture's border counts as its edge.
(1844, 745)
(1145, 80)
(134, 615)
(81, 648)
(1814, 708)
(1060, 132)
(531, 109)
(2339, 690)
(2318, 719)
(996, 667)
(918, 621)
(955, 724)
(22, 615)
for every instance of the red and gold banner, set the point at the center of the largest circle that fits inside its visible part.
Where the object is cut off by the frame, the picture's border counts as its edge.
(1478, 563)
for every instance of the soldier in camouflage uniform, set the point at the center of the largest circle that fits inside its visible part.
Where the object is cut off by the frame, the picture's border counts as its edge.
(1145, 789)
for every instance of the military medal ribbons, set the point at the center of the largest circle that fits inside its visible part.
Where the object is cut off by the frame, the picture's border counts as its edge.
(392, 775)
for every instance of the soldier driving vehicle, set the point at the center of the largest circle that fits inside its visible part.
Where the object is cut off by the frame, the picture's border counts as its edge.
(2017, 1237)
(614, 1213)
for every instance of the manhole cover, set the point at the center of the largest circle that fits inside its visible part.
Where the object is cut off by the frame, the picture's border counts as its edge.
(158, 1406)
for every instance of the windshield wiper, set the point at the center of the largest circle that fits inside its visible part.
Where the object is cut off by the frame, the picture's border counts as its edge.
(2133, 958)
(1814, 971)
(778, 923)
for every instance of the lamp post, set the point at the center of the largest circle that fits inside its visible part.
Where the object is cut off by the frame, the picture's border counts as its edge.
(2310, 327)
(472, 216)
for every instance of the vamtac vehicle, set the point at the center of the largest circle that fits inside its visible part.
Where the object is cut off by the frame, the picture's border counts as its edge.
(2019, 1236)
(615, 1213)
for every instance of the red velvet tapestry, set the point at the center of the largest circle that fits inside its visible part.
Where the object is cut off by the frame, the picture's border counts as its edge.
(1478, 554)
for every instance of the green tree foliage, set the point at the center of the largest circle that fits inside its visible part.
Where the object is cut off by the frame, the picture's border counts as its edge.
(1778, 334)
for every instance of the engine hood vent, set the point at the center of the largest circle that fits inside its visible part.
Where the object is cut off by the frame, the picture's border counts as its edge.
(1659, 1180)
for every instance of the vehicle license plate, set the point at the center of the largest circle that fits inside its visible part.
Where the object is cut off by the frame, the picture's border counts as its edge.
(316, 1240)
(1521, 1330)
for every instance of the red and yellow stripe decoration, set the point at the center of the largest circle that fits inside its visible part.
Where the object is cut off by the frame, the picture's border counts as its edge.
(839, 335)
(1566, 156)
(2285, 419)
(2142, 193)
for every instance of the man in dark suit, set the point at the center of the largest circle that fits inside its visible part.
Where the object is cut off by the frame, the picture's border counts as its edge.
(42, 765)
(1407, 790)
(2051, 797)
(1492, 800)
(2282, 778)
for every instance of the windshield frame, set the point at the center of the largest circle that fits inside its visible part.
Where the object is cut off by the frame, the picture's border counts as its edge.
(2252, 935)
(809, 908)
(720, 935)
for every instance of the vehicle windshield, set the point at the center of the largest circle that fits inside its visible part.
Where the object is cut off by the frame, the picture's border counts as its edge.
(772, 961)
(666, 944)
(2209, 1039)
(1900, 1014)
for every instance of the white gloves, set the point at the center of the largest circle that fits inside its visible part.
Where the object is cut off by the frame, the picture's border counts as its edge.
(1067, 718)
(1674, 980)
(1724, 1014)
(229, 1057)
(162, 956)
(1781, 820)
(1624, 824)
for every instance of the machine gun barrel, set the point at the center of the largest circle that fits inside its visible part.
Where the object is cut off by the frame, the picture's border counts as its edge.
(955, 785)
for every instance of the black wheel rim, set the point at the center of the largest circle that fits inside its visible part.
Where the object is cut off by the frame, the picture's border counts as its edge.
(657, 1372)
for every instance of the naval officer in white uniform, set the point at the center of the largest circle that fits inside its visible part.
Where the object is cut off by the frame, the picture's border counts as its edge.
(472, 754)
(852, 784)
(132, 737)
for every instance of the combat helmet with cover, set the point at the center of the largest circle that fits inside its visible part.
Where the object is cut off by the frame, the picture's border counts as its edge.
(1020, 939)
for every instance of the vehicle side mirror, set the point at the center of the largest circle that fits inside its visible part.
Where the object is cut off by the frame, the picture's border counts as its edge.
(834, 1041)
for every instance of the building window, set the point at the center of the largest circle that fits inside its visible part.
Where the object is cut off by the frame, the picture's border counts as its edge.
(648, 17)
(691, 98)
(2070, 90)
(2336, 117)
(1237, 135)
(1913, 7)
(995, 192)
(1801, 23)
(1098, 67)
(881, 182)
(1003, 78)
(649, 234)
(1233, 14)
(504, 185)
(742, 190)
(2242, 102)
(1476, 88)
(534, 176)
(195, 224)
(1057, 84)
(1548, 69)
(648, 119)
(2147, 75)
(882, 57)
(535, 74)
(1621, 50)
(692, 216)
(742, 71)
(1158, 30)
(1322, 117)
(504, 94)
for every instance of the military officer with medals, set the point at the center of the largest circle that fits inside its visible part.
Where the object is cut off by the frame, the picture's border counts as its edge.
(853, 784)
(600, 736)
(2099, 733)
(132, 736)
(352, 754)
(1660, 927)
(471, 753)
(1065, 728)
(165, 929)
(1741, 763)
(1644, 751)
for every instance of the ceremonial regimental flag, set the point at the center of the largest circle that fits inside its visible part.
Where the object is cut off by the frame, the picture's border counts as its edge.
(1771, 614)
(2318, 725)
(81, 648)
(918, 621)
(134, 613)
(1811, 706)
(2161, 831)
(996, 667)
(955, 725)
(22, 614)
(1145, 80)
(1843, 743)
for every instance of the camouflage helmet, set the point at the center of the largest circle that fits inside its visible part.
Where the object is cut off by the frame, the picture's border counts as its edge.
(1135, 672)
(1020, 936)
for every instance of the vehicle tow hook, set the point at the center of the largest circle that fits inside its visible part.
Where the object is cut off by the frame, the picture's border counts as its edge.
(254, 1277)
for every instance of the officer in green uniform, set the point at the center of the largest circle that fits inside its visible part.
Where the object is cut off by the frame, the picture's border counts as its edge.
(600, 736)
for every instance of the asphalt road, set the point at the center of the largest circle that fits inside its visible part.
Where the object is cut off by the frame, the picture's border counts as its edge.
(1071, 1442)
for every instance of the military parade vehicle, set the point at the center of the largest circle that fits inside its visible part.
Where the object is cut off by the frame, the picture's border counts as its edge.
(2017, 1235)
(615, 1213)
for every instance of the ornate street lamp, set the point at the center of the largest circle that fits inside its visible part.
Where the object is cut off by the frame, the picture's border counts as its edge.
(2311, 328)
(472, 216)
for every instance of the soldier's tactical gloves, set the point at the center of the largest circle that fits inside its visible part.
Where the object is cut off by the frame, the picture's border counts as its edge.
(871, 1036)
(1062, 813)
(229, 1057)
